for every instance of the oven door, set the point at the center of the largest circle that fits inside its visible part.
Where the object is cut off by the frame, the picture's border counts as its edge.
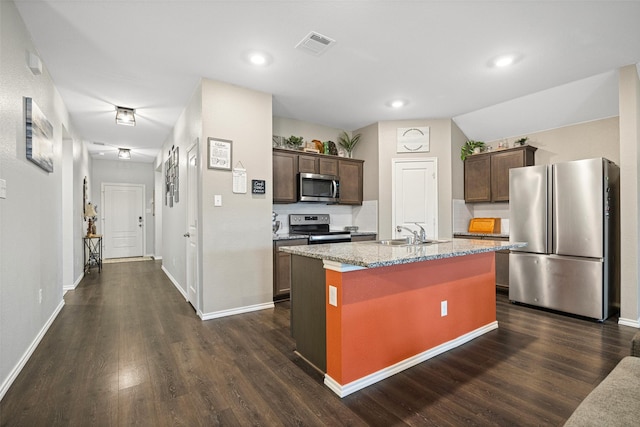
(317, 188)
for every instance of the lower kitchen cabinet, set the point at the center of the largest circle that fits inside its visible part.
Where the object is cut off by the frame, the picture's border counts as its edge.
(502, 260)
(282, 268)
(363, 238)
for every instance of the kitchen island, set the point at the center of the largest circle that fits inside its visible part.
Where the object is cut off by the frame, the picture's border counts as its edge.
(361, 312)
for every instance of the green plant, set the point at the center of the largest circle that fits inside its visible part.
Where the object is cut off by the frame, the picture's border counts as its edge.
(468, 148)
(348, 142)
(522, 141)
(295, 141)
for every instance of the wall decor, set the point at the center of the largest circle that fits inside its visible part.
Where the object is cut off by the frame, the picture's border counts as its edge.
(219, 153)
(413, 140)
(172, 177)
(258, 186)
(39, 135)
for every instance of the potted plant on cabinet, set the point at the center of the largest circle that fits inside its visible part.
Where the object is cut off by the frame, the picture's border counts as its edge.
(295, 142)
(470, 147)
(348, 142)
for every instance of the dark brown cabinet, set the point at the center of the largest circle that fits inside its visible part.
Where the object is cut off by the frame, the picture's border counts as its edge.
(350, 173)
(486, 176)
(363, 237)
(287, 164)
(282, 268)
(316, 164)
(285, 170)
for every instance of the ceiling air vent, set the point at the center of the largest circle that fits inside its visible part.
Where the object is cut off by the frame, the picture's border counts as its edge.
(315, 43)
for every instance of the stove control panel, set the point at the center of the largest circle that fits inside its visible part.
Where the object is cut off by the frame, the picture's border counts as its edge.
(306, 219)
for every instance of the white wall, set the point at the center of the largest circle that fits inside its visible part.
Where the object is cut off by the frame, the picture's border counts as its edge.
(309, 131)
(126, 172)
(31, 217)
(236, 241)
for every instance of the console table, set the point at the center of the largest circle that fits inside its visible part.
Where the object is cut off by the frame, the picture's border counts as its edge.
(92, 252)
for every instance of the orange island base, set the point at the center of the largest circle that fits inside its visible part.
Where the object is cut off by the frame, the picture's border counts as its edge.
(362, 312)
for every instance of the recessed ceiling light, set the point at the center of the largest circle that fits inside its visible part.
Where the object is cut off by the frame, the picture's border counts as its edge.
(397, 103)
(258, 58)
(504, 60)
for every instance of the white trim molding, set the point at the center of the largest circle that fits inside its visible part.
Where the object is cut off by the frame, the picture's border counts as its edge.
(175, 283)
(4, 387)
(345, 390)
(74, 286)
(238, 310)
(629, 322)
(340, 267)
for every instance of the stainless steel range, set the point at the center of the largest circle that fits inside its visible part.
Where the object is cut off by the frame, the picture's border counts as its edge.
(316, 226)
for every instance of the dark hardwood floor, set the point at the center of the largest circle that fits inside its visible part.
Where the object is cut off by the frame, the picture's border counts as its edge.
(128, 350)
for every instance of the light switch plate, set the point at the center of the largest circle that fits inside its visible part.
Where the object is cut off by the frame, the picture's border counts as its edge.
(217, 200)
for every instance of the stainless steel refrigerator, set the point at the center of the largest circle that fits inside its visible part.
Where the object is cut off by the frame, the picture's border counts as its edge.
(568, 214)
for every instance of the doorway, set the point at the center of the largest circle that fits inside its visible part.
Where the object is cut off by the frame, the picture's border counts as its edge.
(415, 196)
(123, 220)
(192, 225)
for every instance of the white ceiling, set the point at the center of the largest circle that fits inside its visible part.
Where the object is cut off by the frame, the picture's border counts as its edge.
(149, 55)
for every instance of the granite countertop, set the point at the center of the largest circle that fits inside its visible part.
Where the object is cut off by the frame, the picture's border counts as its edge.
(371, 255)
(466, 233)
(304, 236)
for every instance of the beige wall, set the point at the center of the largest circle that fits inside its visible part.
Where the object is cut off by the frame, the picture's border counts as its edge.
(599, 138)
(367, 150)
(629, 186)
(37, 217)
(457, 166)
(309, 131)
(440, 148)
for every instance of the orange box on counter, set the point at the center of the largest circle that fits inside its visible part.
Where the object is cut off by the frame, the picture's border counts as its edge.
(484, 225)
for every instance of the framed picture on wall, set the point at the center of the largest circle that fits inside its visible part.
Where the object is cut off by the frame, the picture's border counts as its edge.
(219, 154)
(39, 136)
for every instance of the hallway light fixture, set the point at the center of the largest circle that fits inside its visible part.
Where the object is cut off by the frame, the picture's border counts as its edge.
(124, 153)
(125, 116)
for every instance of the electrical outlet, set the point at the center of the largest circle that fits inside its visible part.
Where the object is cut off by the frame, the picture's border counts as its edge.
(443, 308)
(40, 296)
(333, 296)
(217, 200)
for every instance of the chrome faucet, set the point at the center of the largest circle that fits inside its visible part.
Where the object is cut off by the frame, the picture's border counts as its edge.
(423, 233)
(416, 236)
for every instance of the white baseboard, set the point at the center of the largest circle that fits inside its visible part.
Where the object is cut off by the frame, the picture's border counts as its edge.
(157, 257)
(344, 390)
(629, 322)
(74, 285)
(25, 357)
(175, 283)
(238, 310)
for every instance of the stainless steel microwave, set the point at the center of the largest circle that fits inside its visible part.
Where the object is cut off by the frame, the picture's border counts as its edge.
(313, 187)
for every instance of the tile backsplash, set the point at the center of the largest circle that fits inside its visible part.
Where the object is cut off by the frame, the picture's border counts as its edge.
(463, 212)
(365, 216)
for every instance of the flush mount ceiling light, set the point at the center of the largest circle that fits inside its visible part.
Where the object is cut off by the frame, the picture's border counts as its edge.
(124, 153)
(125, 116)
(504, 60)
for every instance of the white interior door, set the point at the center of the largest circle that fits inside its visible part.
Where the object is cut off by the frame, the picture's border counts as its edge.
(415, 196)
(192, 225)
(123, 220)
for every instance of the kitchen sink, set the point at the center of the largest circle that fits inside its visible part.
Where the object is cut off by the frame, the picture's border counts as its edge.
(405, 242)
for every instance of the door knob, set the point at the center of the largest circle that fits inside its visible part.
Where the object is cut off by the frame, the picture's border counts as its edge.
(187, 235)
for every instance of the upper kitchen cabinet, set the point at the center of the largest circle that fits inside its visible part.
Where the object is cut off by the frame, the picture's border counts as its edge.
(486, 175)
(316, 164)
(285, 170)
(287, 164)
(350, 173)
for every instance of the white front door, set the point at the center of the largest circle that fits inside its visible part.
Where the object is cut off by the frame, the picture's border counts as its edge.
(415, 196)
(192, 226)
(123, 220)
